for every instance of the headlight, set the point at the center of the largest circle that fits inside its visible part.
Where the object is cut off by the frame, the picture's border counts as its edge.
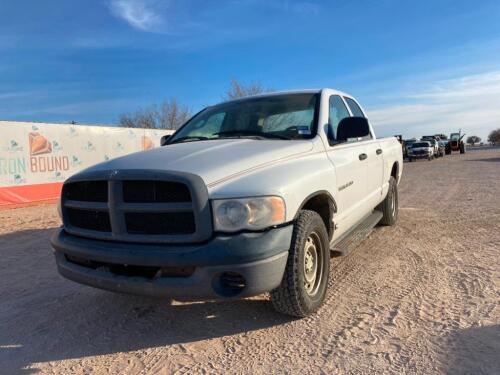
(232, 215)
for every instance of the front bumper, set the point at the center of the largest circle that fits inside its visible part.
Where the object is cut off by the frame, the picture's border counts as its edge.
(418, 156)
(257, 259)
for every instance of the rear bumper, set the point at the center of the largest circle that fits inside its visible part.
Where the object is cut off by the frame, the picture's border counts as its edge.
(259, 259)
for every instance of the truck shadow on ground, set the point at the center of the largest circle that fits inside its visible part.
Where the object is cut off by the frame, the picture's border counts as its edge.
(47, 318)
(473, 351)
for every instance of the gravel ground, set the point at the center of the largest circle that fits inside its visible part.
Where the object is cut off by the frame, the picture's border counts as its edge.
(419, 297)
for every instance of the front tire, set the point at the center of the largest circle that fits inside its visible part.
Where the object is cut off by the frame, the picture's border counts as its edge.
(462, 148)
(303, 287)
(389, 206)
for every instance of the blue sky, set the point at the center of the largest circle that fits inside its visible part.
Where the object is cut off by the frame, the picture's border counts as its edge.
(416, 66)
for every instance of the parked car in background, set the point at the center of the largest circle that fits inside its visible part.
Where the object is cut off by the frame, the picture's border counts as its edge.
(442, 137)
(438, 152)
(442, 144)
(408, 144)
(421, 150)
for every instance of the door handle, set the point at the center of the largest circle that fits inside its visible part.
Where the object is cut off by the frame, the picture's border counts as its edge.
(379, 151)
(362, 156)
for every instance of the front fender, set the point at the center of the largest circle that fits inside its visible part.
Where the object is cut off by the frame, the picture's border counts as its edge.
(295, 180)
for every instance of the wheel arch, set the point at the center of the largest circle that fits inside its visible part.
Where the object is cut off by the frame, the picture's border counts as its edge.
(395, 171)
(323, 203)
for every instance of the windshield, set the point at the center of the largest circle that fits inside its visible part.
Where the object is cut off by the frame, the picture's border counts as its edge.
(290, 116)
(420, 144)
(454, 137)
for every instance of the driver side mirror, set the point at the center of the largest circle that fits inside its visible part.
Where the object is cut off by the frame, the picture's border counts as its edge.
(352, 127)
(164, 139)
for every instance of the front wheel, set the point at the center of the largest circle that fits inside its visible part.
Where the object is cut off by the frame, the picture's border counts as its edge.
(389, 206)
(303, 287)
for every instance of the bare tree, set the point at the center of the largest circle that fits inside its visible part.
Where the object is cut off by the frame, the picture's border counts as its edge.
(473, 139)
(170, 115)
(126, 121)
(239, 90)
(146, 118)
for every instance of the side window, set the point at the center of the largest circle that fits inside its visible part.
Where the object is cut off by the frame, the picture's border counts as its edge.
(356, 111)
(338, 111)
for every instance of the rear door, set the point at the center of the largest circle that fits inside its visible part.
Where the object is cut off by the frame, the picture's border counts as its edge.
(350, 169)
(374, 160)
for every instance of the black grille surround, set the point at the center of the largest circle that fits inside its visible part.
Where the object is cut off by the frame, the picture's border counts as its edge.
(146, 206)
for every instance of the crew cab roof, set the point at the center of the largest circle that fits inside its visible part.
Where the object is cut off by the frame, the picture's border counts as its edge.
(285, 92)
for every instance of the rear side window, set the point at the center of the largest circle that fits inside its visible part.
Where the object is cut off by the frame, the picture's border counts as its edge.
(338, 111)
(356, 111)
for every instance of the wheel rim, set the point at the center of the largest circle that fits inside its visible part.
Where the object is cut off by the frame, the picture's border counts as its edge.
(394, 198)
(312, 264)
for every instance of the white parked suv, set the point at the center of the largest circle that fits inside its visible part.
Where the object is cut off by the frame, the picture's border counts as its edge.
(249, 196)
(421, 150)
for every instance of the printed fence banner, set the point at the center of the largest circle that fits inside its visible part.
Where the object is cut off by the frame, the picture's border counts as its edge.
(36, 158)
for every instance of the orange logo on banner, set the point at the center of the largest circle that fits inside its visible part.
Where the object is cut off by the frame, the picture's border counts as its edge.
(146, 143)
(39, 144)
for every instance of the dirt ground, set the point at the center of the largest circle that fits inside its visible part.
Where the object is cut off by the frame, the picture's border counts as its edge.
(419, 297)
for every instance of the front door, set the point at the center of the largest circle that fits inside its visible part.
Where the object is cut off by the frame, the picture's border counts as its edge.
(350, 169)
(374, 161)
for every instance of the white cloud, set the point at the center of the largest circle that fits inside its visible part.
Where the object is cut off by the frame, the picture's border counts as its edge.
(144, 15)
(470, 103)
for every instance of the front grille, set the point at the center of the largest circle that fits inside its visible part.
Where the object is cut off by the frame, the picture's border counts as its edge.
(155, 192)
(89, 219)
(171, 223)
(86, 191)
(137, 209)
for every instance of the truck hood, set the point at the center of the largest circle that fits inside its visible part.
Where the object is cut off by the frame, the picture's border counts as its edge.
(213, 160)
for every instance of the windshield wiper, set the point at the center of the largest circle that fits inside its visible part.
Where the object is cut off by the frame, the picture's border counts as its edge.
(250, 133)
(188, 138)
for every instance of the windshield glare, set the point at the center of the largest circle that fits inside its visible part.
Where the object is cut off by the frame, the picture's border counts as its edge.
(290, 116)
(420, 144)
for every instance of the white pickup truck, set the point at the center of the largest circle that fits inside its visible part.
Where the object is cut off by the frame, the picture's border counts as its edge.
(249, 196)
